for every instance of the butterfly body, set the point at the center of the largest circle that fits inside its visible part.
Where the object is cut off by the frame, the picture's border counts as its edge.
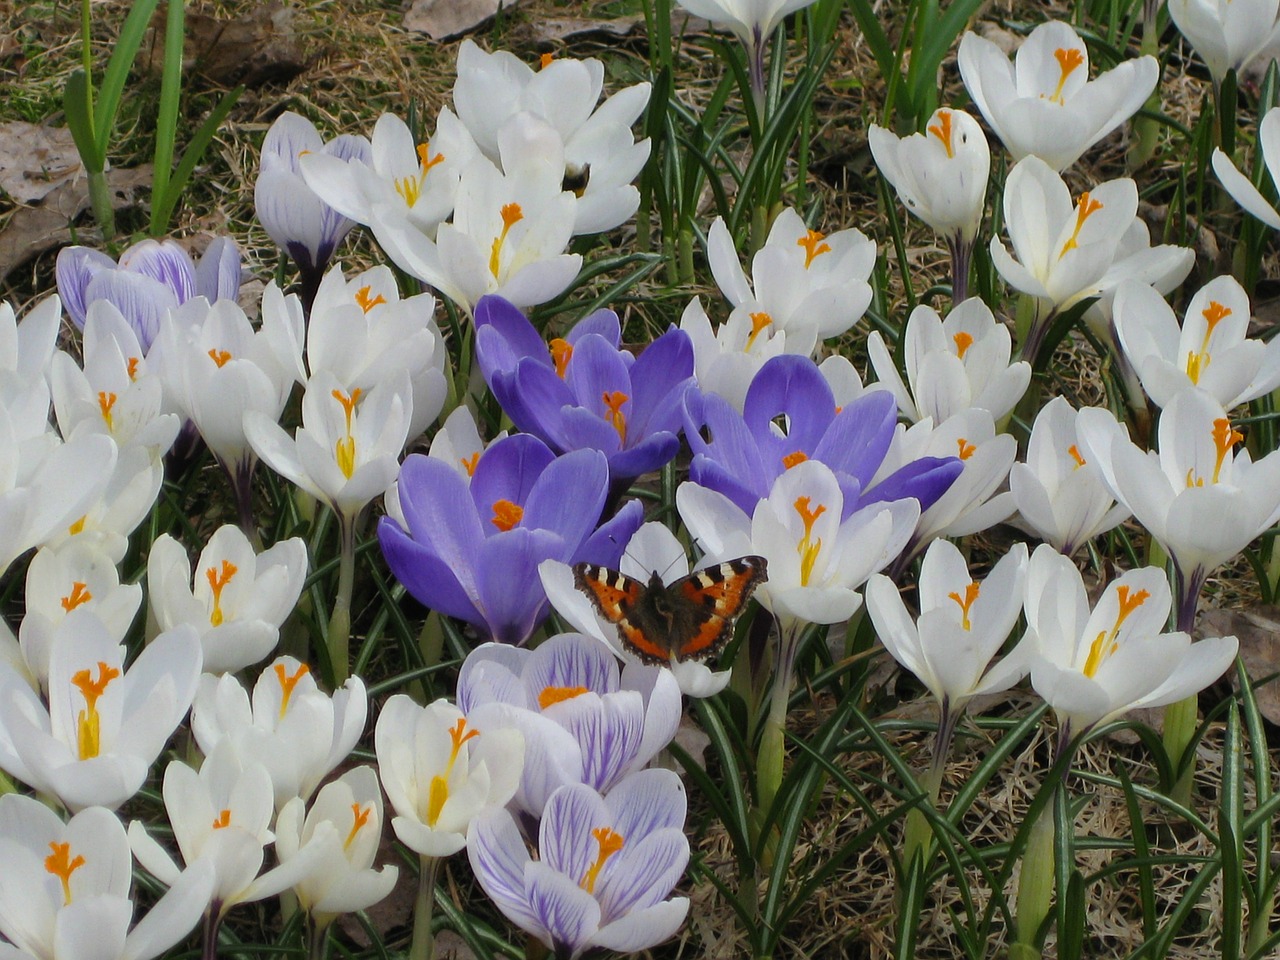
(688, 619)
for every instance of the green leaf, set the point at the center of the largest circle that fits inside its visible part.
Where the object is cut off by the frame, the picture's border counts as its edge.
(167, 114)
(162, 209)
(113, 81)
(75, 103)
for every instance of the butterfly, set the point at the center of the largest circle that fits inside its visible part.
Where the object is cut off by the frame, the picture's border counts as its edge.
(689, 619)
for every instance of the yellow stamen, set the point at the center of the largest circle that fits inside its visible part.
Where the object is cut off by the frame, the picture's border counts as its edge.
(1086, 208)
(545, 60)
(88, 722)
(561, 353)
(105, 402)
(469, 463)
(942, 130)
(791, 459)
(62, 865)
(438, 792)
(610, 843)
(287, 683)
(758, 322)
(1104, 644)
(1075, 455)
(614, 400)
(554, 695)
(1194, 361)
(361, 818)
(1214, 314)
(79, 594)
(367, 302)
(963, 342)
(511, 215)
(344, 450)
(220, 357)
(965, 602)
(410, 188)
(1068, 61)
(506, 515)
(814, 246)
(132, 368)
(808, 548)
(1224, 438)
(223, 821)
(78, 526)
(967, 449)
(1192, 479)
(217, 580)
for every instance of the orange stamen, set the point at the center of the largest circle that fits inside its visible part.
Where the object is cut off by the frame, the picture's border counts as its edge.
(545, 60)
(610, 843)
(511, 215)
(965, 602)
(88, 722)
(79, 594)
(1068, 61)
(506, 515)
(554, 695)
(132, 368)
(808, 548)
(791, 459)
(1104, 644)
(438, 792)
(561, 353)
(967, 449)
(105, 402)
(614, 400)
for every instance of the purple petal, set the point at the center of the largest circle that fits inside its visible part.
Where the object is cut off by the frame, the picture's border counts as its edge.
(509, 590)
(75, 267)
(439, 511)
(518, 336)
(535, 400)
(429, 580)
(565, 843)
(491, 674)
(508, 470)
(498, 859)
(859, 437)
(610, 734)
(708, 473)
(569, 496)
(651, 454)
(218, 272)
(572, 660)
(646, 801)
(290, 136)
(718, 433)
(578, 428)
(658, 381)
(597, 369)
(926, 479)
(166, 262)
(141, 300)
(350, 146)
(642, 874)
(603, 322)
(605, 546)
(571, 915)
(794, 388)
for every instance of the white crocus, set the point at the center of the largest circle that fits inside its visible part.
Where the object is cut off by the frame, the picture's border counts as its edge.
(1092, 666)
(809, 284)
(439, 771)
(1199, 500)
(107, 521)
(1061, 495)
(1228, 34)
(1044, 104)
(952, 364)
(940, 175)
(510, 227)
(1241, 187)
(403, 181)
(1211, 351)
(26, 347)
(220, 814)
(238, 599)
(601, 155)
(345, 826)
(652, 549)
(727, 358)
(962, 624)
(65, 889)
(104, 725)
(298, 731)
(77, 575)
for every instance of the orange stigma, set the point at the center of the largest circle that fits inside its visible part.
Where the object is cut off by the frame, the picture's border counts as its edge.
(220, 357)
(367, 302)
(287, 683)
(1224, 438)
(217, 580)
(963, 342)
(942, 130)
(506, 515)
(561, 353)
(613, 400)
(965, 602)
(1086, 208)
(967, 449)
(79, 594)
(1068, 62)
(1104, 644)
(610, 843)
(62, 865)
(814, 246)
(88, 722)
(105, 402)
(511, 215)
(758, 322)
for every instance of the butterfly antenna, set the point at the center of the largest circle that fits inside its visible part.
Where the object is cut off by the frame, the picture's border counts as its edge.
(662, 574)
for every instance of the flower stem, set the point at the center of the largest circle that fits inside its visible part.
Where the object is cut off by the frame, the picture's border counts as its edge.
(423, 946)
(209, 936)
(1180, 717)
(1035, 885)
(961, 256)
(318, 937)
(918, 835)
(770, 761)
(339, 637)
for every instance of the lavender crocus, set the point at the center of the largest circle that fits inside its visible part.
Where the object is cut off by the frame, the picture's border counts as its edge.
(152, 277)
(472, 551)
(605, 868)
(298, 221)
(790, 416)
(582, 391)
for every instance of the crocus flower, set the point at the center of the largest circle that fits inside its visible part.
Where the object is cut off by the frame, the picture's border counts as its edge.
(345, 826)
(26, 348)
(1227, 35)
(123, 498)
(751, 22)
(440, 772)
(809, 284)
(1211, 350)
(952, 364)
(601, 156)
(1092, 666)
(726, 359)
(238, 599)
(471, 551)
(1044, 104)
(298, 731)
(941, 177)
(584, 720)
(605, 868)
(1059, 494)
(748, 451)
(653, 549)
(583, 392)
(65, 889)
(1202, 503)
(151, 278)
(1241, 187)
(297, 221)
(104, 725)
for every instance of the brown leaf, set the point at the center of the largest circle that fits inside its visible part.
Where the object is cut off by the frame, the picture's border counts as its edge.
(1258, 630)
(254, 49)
(558, 29)
(450, 19)
(33, 230)
(35, 159)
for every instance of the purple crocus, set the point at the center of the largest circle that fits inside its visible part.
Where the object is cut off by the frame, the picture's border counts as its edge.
(472, 551)
(789, 416)
(300, 223)
(151, 278)
(583, 391)
(605, 868)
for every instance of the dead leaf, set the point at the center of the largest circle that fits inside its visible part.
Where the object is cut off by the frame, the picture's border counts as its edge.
(450, 19)
(33, 230)
(35, 159)
(1258, 630)
(553, 30)
(450, 946)
(258, 48)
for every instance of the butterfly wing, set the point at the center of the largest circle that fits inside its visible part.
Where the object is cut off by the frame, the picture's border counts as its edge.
(712, 599)
(625, 603)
